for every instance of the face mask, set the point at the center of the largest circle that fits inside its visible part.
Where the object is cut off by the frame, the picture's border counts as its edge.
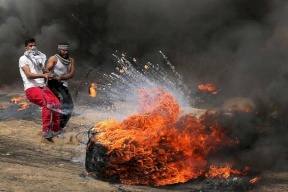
(34, 50)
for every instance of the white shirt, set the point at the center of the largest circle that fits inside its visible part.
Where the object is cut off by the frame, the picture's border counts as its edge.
(28, 83)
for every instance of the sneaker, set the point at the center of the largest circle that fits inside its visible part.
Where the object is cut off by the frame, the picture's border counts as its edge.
(58, 134)
(47, 134)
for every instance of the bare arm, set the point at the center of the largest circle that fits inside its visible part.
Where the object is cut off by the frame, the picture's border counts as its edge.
(31, 75)
(50, 64)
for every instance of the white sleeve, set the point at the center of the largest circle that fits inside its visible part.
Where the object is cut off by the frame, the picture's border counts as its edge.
(22, 62)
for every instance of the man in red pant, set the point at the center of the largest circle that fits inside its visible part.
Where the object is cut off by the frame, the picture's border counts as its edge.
(31, 66)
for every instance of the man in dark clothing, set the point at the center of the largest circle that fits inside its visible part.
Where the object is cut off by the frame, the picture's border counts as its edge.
(62, 68)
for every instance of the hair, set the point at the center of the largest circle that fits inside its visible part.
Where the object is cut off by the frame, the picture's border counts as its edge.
(63, 43)
(30, 40)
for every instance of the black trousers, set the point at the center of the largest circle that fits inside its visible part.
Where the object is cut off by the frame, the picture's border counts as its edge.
(65, 99)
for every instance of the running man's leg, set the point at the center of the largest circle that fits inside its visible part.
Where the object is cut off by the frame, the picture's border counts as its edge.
(35, 95)
(51, 98)
(41, 97)
(65, 98)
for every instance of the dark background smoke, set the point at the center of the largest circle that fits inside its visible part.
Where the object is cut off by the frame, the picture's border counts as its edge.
(240, 45)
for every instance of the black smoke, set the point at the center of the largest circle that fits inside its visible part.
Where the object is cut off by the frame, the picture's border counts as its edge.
(240, 45)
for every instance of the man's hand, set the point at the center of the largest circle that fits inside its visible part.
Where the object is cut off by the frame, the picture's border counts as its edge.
(48, 76)
(58, 78)
(51, 76)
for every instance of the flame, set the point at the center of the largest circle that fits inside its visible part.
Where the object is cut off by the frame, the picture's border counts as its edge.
(157, 146)
(24, 106)
(254, 180)
(16, 100)
(122, 70)
(146, 67)
(19, 101)
(224, 172)
(93, 90)
(208, 87)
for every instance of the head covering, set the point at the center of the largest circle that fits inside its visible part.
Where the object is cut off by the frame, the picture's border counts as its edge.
(63, 47)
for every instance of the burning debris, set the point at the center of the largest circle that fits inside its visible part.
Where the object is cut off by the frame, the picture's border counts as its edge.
(19, 107)
(93, 90)
(158, 146)
(19, 101)
(146, 67)
(24, 105)
(227, 179)
(208, 87)
(16, 100)
(224, 172)
(204, 95)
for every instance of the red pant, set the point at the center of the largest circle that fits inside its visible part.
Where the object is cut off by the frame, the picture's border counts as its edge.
(41, 97)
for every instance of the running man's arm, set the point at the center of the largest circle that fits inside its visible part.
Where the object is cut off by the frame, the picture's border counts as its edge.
(31, 75)
(50, 64)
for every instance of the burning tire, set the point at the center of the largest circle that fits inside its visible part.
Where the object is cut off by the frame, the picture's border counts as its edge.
(96, 158)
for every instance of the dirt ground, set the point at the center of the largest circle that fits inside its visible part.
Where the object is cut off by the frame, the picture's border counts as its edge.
(30, 163)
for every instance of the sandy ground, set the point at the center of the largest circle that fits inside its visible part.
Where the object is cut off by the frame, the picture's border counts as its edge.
(30, 163)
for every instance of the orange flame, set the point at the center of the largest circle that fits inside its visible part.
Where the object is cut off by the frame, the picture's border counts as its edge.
(16, 100)
(208, 87)
(25, 105)
(93, 90)
(254, 180)
(224, 172)
(156, 147)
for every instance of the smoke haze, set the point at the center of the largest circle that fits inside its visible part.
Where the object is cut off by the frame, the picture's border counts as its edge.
(240, 45)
